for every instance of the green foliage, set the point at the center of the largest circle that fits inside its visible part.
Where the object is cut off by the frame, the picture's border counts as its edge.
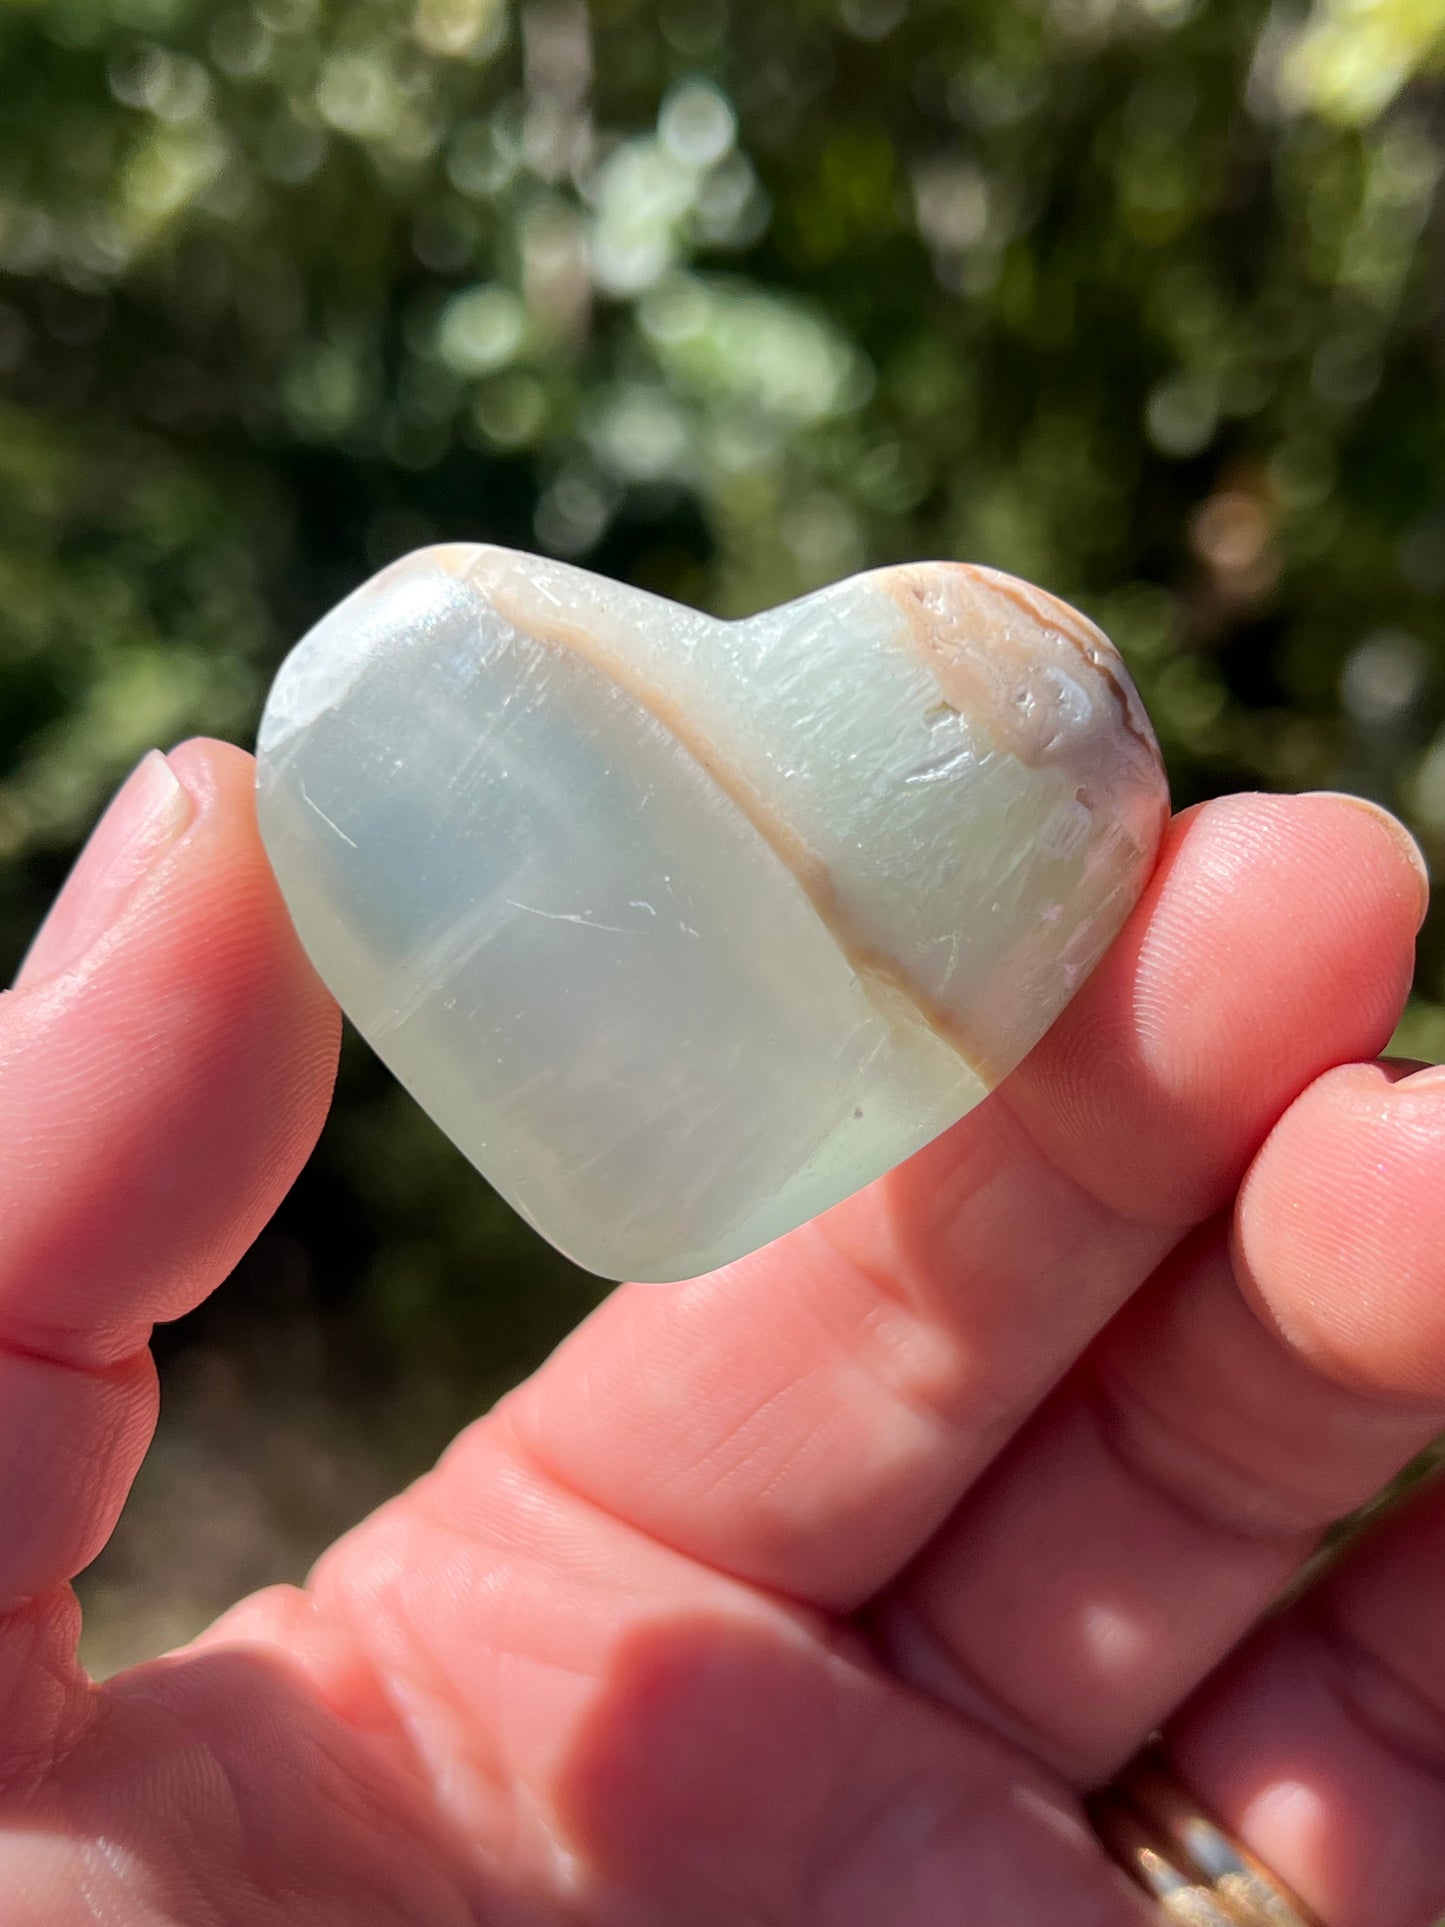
(1140, 298)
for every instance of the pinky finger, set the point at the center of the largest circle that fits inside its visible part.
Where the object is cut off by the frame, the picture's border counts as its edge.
(1322, 1744)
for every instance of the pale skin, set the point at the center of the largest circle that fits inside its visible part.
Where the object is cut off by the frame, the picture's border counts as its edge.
(811, 1594)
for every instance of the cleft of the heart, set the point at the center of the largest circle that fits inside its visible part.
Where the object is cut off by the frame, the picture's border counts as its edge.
(682, 929)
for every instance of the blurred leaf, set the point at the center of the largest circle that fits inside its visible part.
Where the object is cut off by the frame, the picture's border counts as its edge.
(1138, 297)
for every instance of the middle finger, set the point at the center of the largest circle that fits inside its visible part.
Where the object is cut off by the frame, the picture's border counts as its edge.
(808, 1417)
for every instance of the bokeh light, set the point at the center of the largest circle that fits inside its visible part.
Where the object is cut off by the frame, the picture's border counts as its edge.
(1140, 298)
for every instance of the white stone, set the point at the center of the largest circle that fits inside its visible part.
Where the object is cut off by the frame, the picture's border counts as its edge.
(682, 929)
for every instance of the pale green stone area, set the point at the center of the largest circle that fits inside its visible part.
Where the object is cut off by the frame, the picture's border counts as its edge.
(684, 930)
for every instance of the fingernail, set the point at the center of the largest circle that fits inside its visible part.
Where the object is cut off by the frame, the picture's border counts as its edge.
(1396, 828)
(1430, 1077)
(148, 813)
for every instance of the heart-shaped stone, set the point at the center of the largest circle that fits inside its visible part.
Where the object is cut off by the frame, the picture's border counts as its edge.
(683, 929)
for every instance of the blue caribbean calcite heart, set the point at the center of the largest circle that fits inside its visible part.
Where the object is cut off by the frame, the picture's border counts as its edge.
(685, 929)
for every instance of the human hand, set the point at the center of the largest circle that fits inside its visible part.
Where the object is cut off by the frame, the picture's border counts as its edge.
(813, 1593)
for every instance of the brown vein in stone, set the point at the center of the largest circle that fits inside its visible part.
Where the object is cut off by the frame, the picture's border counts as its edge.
(1090, 642)
(966, 684)
(812, 874)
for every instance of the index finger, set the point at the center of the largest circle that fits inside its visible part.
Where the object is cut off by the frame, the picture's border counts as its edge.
(807, 1417)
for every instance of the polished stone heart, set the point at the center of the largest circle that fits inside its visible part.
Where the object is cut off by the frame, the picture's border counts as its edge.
(683, 929)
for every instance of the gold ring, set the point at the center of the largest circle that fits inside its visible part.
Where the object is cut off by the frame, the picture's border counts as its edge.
(1199, 1874)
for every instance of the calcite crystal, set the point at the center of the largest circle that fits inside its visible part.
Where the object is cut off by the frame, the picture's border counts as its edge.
(683, 929)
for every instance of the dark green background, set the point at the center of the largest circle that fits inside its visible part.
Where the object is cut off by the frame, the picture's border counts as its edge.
(1144, 299)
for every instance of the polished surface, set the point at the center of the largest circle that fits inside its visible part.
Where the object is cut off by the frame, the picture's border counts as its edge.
(681, 929)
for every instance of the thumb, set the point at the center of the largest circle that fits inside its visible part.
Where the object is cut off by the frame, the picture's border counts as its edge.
(166, 1060)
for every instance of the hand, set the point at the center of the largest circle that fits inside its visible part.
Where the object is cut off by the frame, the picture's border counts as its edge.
(813, 1593)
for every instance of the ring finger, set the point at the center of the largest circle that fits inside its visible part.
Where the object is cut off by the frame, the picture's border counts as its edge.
(1256, 1390)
